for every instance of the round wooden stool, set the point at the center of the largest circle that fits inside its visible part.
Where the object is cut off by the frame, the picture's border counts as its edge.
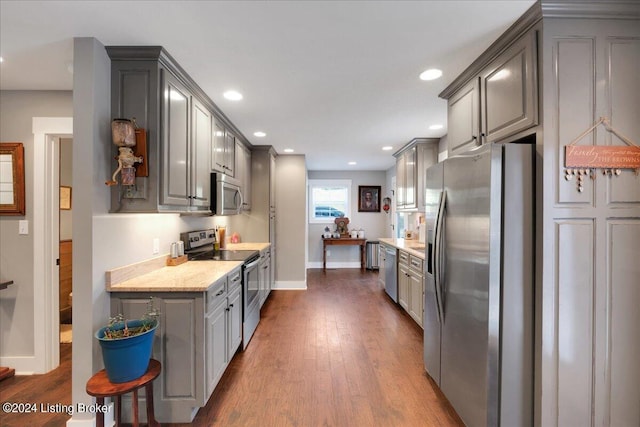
(100, 387)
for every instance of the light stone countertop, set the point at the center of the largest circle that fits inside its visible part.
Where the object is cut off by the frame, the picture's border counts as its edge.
(247, 246)
(413, 247)
(192, 276)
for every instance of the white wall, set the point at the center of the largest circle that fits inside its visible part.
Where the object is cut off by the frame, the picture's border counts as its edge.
(373, 223)
(66, 177)
(291, 230)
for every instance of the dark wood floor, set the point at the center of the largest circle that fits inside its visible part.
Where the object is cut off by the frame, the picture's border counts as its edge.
(47, 389)
(338, 354)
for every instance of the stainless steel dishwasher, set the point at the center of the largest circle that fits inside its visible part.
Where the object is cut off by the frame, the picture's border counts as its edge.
(391, 272)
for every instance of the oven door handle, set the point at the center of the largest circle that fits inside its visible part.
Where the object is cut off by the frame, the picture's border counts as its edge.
(252, 264)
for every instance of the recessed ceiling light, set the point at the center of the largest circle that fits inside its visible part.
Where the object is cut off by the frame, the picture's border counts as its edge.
(387, 148)
(352, 163)
(1, 59)
(435, 127)
(259, 134)
(233, 95)
(288, 150)
(431, 74)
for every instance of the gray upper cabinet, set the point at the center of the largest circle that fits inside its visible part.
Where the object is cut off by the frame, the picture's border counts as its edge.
(223, 151)
(229, 153)
(185, 147)
(175, 142)
(411, 164)
(217, 149)
(186, 132)
(498, 103)
(464, 118)
(509, 91)
(243, 173)
(199, 156)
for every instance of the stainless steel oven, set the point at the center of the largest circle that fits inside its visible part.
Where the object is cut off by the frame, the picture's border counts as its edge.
(251, 299)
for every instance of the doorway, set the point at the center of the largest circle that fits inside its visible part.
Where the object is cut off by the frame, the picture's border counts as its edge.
(47, 132)
(65, 294)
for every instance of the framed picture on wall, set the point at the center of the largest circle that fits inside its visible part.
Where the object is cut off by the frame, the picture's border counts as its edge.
(65, 197)
(369, 198)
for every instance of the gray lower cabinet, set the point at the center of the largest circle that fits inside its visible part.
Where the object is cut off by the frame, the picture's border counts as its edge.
(403, 280)
(416, 290)
(234, 313)
(198, 335)
(411, 285)
(264, 275)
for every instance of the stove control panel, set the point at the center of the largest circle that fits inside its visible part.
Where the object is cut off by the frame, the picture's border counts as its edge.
(196, 239)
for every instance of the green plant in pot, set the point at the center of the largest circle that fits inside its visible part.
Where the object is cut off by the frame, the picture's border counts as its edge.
(126, 344)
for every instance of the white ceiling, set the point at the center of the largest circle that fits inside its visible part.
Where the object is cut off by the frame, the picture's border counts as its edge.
(335, 81)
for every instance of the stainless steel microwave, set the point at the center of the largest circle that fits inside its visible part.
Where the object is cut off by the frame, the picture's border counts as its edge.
(226, 195)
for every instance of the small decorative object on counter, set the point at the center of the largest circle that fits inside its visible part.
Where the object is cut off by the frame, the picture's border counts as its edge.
(127, 344)
(221, 237)
(354, 234)
(235, 238)
(361, 234)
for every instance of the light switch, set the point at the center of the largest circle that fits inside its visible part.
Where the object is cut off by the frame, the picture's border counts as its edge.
(156, 246)
(23, 226)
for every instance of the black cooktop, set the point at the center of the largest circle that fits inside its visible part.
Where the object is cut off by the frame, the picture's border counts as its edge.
(222, 255)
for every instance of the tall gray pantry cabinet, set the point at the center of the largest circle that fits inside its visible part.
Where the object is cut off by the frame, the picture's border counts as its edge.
(547, 79)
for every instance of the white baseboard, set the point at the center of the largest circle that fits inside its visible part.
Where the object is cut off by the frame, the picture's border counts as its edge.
(352, 264)
(290, 285)
(24, 365)
(109, 419)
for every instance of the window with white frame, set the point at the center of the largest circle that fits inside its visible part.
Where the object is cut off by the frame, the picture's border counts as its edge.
(329, 199)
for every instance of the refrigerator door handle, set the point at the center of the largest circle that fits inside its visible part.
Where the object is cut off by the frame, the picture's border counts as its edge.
(437, 255)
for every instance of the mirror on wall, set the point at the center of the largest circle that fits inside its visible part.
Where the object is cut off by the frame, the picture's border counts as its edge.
(12, 178)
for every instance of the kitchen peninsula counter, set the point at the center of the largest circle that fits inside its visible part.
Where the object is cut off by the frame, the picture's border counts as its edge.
(413, 247)
(192, 276)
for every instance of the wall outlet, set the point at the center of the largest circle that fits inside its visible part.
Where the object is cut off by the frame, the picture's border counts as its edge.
(23, 226)
(156, 246)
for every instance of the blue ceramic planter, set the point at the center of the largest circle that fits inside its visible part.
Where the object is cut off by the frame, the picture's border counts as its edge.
(126, 359)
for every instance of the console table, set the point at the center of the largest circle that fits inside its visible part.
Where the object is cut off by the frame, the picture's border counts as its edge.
(343, 241)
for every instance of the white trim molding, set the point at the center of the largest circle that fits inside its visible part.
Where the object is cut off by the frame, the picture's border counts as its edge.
(290, 285)
(45, 235)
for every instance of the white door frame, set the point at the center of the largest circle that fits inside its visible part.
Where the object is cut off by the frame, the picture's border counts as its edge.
(45, 229)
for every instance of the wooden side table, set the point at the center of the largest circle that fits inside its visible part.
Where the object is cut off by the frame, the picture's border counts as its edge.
(100, 387)
(341, 242)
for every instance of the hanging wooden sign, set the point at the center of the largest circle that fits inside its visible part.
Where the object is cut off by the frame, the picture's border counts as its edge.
(582, 161)
(610, 157)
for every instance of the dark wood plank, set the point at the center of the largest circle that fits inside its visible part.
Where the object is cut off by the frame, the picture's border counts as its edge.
(47, 389)
(340, 353)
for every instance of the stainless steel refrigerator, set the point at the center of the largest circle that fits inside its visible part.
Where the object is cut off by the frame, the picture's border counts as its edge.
(479, 291)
